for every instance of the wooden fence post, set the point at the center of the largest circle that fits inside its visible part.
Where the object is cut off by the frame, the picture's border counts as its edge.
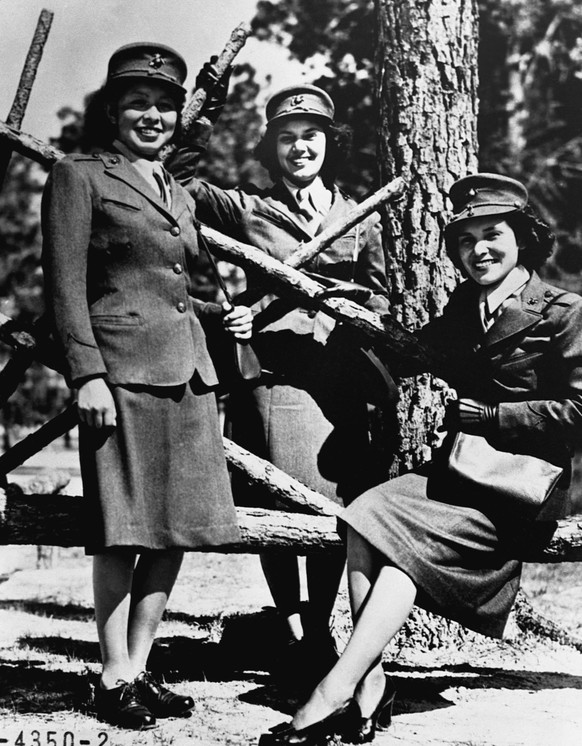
(18, 108)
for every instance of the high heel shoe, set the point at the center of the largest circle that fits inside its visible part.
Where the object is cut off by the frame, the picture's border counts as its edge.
(363, 730)
(316, 734)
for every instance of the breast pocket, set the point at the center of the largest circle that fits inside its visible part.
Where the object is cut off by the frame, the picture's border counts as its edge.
(521, 371)
(114, 319)
(115, 223)
(110, 203)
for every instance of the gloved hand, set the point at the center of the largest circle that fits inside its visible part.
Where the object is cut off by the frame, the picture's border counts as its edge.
(342, 289)
(470, 416)
(216, 89)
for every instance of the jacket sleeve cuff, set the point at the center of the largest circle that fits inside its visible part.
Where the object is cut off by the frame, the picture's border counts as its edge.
(84, 360)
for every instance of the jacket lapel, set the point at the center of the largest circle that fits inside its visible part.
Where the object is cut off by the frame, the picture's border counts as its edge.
(339, 207)
(520, 314)
(118, 167)
(280, 200)
(179, 199)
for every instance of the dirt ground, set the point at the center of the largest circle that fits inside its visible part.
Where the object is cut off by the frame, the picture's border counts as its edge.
(215, 642)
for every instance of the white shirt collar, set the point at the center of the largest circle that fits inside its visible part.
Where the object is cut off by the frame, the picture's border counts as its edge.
(319, 193)
(512, 284)
(145, 167)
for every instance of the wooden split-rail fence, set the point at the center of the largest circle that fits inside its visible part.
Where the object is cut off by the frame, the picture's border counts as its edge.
(310, 524)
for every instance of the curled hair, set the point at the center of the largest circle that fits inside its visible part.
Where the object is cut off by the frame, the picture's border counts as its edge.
(337, 149)
(98, 129)
(536, 238)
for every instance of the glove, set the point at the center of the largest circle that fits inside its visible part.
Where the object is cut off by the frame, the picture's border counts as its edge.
(342, 289)
(216, 89)
(470, 416)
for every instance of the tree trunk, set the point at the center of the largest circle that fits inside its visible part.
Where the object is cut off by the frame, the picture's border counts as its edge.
(426, 65)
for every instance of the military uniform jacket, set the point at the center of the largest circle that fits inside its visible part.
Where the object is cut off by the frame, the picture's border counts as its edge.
(271, 220)
(117, 267)
(529, 363)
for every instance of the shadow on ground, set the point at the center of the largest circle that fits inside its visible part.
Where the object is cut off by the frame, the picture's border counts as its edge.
(236, 648)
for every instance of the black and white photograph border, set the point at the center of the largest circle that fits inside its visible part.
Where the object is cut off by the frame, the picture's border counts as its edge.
(216, 640)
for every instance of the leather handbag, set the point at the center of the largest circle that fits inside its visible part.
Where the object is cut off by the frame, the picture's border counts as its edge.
(525, 480)
(235, 360)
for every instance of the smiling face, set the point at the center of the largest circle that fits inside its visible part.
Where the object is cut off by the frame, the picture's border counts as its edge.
(301, 145)
(488, 249)
(146, 115)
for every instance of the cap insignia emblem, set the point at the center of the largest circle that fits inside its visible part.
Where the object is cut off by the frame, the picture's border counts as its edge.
(297, 100)
(157, 61)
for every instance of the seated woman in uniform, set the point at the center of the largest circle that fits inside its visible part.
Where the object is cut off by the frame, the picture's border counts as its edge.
(425, 537)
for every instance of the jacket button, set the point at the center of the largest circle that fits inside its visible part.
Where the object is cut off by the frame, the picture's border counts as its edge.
(177, 268)
(181, 307)
(311, 314)
(174, 230)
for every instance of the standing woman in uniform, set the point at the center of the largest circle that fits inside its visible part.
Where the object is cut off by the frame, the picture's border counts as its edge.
(119, 243)
(308, 413)
(426, 537)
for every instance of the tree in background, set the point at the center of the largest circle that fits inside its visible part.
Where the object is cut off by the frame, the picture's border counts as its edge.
(427, 100)
(531, 112)
(20, 240)
(336, 38)
(43, 392)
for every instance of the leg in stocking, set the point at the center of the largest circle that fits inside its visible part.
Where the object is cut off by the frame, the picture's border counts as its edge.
(112, 577)
(154, 578)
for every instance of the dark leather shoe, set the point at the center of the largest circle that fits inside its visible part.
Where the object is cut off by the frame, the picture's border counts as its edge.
(320, 733)
(122, 706)
(159, 699)
(363, 730)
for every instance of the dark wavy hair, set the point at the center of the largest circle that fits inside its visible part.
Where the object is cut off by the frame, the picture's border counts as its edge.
(337, 150)
(98, 129)
(530, 231)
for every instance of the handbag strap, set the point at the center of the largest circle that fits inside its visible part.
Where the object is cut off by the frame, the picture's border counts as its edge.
(219, 278)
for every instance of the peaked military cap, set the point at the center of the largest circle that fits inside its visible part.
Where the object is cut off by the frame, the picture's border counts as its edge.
(154, 62)
(486, 194)
(300, 101)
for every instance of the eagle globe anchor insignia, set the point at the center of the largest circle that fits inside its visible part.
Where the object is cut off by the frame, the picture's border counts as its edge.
(157, 61)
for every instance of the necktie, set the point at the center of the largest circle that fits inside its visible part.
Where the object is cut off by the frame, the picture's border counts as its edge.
(306, 205)
(488, 316)
(161, 178)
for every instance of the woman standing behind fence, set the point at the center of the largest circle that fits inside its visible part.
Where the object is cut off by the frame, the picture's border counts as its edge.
(119, 241)
(430, 536)
(308, 414)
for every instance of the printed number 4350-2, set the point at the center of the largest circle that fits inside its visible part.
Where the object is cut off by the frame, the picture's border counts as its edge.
(53, 737)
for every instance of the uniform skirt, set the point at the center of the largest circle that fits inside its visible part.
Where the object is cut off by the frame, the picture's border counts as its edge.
(460, 557)
(288, 427)
(308, 416)
(157, 480)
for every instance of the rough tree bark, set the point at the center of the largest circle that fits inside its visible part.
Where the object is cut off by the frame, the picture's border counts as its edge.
(426, 65)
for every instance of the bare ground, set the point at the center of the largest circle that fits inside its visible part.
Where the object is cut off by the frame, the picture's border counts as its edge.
(454, 687)
(459, 689)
